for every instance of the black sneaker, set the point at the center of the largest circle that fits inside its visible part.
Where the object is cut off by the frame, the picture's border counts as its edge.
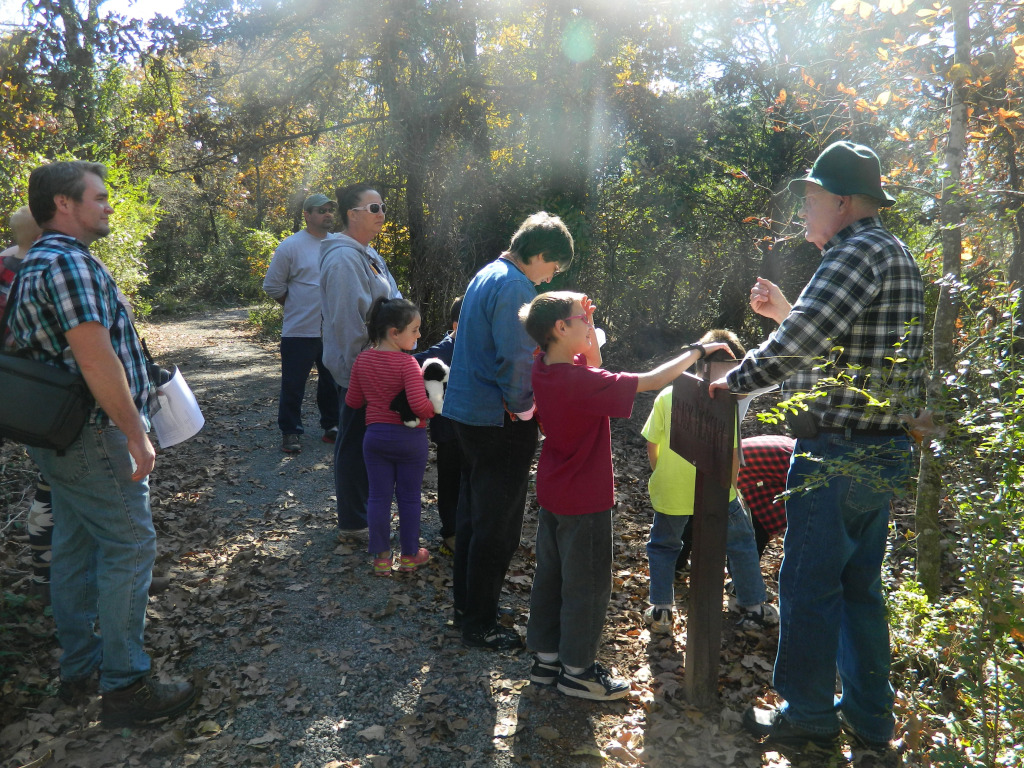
(497, 638)
(145, 701)
(781, 732)
(544, 672)
(595, 683)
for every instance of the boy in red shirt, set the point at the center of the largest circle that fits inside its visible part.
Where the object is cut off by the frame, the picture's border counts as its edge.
(575, 489)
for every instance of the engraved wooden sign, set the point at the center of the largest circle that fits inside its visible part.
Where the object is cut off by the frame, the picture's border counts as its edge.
(704, 433)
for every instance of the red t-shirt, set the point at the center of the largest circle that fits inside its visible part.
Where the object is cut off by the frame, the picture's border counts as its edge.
(574, 403)
(377, 376)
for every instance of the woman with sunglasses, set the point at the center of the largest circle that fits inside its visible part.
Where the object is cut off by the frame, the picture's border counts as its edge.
(352, 277)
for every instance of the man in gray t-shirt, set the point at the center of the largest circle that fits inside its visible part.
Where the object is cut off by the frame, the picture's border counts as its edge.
(293, 279)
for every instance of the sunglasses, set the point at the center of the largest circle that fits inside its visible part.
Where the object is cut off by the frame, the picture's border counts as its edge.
(372, 208)
(323, 209)
(584, 318)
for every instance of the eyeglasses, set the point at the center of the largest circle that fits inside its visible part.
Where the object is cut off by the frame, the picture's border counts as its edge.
(584, 318)
(372, 208)
(323, 209)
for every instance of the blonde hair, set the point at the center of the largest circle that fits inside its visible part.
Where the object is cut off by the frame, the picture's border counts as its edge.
(24, 227)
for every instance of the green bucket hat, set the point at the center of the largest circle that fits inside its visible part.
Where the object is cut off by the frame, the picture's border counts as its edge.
(845, 168)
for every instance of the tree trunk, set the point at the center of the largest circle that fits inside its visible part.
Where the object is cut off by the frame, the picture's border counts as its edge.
(1015, 268)
(929, 491)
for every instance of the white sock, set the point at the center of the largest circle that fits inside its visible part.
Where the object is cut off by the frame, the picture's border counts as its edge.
(548, 658)
(574, 670)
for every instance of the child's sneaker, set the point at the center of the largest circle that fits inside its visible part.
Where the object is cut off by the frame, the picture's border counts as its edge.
(756, 617)
(595, 683)
(659, 620)
(544, 672)
(382, 566)
(409, 563)
(447, 546)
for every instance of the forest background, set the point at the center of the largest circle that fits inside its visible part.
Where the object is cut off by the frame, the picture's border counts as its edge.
(664, 133)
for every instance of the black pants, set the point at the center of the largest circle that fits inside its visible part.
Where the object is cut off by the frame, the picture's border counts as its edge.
(449, 480)
(489, 522)
(351, 485)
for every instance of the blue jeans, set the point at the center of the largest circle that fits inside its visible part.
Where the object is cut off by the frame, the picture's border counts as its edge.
(104, 546)
(351, 486)
(572, 586)
(298, 355)
(831, 607)
(396, 458)
(666, 541)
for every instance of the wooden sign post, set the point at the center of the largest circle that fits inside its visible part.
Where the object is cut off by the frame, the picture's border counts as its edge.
(704, 433)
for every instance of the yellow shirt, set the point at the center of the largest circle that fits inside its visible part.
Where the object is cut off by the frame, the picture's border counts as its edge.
(674, 480)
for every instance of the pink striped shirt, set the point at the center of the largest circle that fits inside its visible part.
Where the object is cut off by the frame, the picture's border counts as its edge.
(377, 376)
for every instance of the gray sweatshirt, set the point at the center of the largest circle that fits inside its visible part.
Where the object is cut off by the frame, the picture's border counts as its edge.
(352, 276)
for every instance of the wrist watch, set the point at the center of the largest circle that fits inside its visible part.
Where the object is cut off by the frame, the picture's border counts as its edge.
(703, 352)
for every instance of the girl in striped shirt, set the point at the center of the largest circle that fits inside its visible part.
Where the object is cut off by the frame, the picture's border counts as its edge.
(395, 455)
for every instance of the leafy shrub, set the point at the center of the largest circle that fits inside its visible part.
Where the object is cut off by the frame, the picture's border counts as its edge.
(267, 317)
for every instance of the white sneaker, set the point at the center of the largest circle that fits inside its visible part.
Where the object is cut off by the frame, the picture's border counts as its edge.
(757, 617)
(595, 683)
(660, 620)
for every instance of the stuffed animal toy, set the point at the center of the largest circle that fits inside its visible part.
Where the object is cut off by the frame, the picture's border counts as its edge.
(435, 379)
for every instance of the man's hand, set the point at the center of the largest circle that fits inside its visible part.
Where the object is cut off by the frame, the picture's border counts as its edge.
(143, 456)
(716, 385)
(766, 299)
(104, 374)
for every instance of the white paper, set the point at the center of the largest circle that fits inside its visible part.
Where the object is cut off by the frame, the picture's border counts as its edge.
(745, 400)
(179, 416)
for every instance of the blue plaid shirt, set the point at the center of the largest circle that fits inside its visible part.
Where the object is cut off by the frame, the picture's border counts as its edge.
(60, 286)
(863, 306)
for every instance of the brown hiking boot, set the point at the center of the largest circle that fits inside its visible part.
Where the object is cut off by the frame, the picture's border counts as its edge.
(145, 701)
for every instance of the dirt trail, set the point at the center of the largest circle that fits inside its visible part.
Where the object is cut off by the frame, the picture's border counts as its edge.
(305, 658)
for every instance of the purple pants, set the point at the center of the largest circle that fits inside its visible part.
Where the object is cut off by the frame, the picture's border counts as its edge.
(396, 458)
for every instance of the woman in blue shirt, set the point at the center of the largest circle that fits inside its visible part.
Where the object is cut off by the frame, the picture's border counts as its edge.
(490, 399)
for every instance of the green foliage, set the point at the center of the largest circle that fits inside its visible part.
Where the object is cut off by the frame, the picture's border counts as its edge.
(267, 317)
(961, 660)
(224, 271)
(259, 247)
(135, 218)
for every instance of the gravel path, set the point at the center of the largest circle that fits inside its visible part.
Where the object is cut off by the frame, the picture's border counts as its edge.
(306, 657)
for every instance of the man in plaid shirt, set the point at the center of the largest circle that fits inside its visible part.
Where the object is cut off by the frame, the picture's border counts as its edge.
(857, 321)
(65, 311)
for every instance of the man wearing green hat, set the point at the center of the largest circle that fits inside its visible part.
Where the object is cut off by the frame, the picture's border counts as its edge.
(858, 320)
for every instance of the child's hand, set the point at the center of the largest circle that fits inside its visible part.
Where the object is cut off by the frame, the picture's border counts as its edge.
(589, 308)
(718, 345)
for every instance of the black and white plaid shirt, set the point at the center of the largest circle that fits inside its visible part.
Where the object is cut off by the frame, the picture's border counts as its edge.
(858, 318)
